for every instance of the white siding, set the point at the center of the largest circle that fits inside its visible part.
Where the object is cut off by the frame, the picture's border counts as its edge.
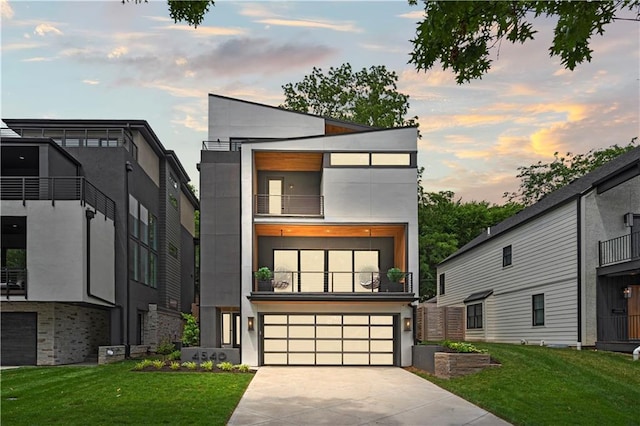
(544, 260)
(229, 118)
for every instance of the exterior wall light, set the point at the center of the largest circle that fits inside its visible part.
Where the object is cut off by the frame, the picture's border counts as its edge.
(407, 324)
(250, 323)
(627, 292)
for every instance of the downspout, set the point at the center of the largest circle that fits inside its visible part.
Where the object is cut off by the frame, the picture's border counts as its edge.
(127, 347)
(636, 353)
(90, 214)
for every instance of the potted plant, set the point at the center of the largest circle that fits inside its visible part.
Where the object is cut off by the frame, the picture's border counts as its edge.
(263, 276)
(395, 276)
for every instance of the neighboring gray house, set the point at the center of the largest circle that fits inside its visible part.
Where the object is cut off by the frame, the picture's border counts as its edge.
(329, 207)
(97, 239)
(562, 271)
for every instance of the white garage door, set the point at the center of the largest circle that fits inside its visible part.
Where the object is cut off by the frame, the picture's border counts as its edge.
(328, 339)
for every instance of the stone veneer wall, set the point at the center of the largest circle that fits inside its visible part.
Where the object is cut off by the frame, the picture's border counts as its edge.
(67, 334)
(162, 324)
(449, 364)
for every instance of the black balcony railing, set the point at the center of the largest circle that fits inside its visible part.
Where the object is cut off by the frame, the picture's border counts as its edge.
(56, 189)
(289, 205)
(335, 282)
(619, 328)
(620, 249)
(221, 146)
(13, 282)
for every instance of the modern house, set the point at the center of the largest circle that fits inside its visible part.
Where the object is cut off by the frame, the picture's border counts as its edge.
(328, 207)
(97, 239)
(564, 271)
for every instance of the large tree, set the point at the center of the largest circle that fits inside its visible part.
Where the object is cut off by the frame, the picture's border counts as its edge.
(460, 34)
(369, 96)
(539, 179)
(446, 224)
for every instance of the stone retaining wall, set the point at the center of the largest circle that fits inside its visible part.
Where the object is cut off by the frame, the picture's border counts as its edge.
(448, 364)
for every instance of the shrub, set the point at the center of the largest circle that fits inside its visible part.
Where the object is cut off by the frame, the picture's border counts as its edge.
(174, 356)
(243, 368)
(190, 365)
(462, 347)
(263, 274)
(225, 366)
(207, 365)
(191, 331)
(394, 275)
(165, 347)
(158, 364)
(175, 365)
(143, 364)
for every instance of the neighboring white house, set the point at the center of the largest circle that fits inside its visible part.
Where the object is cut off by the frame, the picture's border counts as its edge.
(562, 271)
(329, 207)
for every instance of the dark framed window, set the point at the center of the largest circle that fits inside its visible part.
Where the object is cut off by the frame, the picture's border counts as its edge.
(441, 283)
(474, 316)
(537, 309)
(506, 256)
(143, 244)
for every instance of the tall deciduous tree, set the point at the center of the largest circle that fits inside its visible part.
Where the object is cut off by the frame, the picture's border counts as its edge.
(446, 224)
(190, 11)
(540, 179)
(369, 96)
(461, 34)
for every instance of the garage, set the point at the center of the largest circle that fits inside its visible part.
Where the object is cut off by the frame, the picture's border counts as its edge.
(19, 338)
(328, 339)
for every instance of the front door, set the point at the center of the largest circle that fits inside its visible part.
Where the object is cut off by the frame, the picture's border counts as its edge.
(633, 312)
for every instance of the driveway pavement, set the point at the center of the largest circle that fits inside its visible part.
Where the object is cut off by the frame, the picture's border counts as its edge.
(352, 396)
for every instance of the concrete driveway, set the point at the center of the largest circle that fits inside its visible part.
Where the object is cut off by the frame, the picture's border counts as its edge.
(352, 396)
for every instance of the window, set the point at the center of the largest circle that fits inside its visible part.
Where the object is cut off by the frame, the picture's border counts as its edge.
(350, 159)
(173, 181)
(390, 159)
(474, 316)
(133, 215)
(143, 244)
(173, 250)
(173, 201)
(441, 283)
(537, 306)
(506, 256)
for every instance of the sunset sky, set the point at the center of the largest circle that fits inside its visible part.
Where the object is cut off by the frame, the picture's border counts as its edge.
(103, 59)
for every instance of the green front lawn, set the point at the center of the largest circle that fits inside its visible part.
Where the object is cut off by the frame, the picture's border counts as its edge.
(114, 394)
(544, 386)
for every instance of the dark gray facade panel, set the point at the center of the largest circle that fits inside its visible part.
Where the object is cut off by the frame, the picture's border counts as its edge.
(170, 291)
(59, 164)
(187, 271)
(220, 238)
(294, 183)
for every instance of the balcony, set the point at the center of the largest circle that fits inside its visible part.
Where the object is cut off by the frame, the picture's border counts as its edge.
(323, 282)
(56, 189)
(619, 328)
(620, 249)
(289, 205)
(13, 282)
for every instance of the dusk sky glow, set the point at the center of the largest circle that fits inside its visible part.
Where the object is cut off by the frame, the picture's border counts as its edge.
(103, 59)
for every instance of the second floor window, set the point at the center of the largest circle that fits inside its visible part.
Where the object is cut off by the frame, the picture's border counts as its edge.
(506, 256)
(143, 244)
(441, 283)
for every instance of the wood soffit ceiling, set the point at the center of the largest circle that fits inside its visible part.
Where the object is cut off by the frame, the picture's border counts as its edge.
(288, 161)
(295, 230)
